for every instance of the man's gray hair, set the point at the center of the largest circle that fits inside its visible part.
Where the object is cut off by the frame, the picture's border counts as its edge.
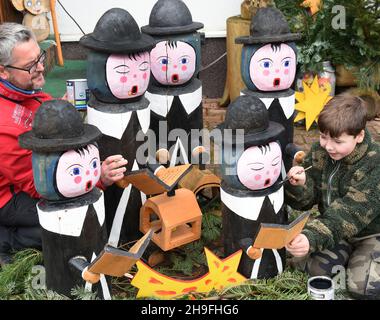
(10, 35)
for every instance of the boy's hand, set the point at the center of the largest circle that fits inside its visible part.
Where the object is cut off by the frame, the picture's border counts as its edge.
(113, 169)
(299, 246)
(297, 176)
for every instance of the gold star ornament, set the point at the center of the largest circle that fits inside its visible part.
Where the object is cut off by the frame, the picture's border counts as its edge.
(221, 273)
(313, 5)
(311, 101)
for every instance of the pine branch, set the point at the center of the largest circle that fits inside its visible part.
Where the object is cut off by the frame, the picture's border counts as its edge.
(12, 276)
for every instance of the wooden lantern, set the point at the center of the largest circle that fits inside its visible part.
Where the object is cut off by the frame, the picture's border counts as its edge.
(176, 219)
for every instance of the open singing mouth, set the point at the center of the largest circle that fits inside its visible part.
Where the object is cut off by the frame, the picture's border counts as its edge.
(88, 185)
(175, 78)
(276, 82)
(267, 182)
(134, 90)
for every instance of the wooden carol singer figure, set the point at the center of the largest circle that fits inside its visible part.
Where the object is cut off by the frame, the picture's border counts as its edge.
(269, 61)
(251, 192)
(66, 168)
(118, 73)
(175, 93)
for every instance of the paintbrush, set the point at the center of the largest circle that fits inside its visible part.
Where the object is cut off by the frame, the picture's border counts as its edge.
(287, 178)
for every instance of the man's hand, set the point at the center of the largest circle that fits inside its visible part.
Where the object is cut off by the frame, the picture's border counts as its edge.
(113, 169)
(297, 176)
(299, 246)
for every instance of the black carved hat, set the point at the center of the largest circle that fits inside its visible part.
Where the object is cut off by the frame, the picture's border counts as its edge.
(170, 17)
(117, 32)
(58, 126)
(250, 114)
(268, 25)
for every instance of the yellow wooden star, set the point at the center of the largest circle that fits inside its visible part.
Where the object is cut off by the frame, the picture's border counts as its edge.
(313, 5)
(221, 273)
(311, 102)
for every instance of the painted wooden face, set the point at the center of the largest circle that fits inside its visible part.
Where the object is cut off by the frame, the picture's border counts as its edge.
(173, 62)
(37, 6)
(273, 67)
(128, 75)
(78, 171)
(259, 167)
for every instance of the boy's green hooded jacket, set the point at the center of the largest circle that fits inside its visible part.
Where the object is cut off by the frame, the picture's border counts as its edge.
(347, 193)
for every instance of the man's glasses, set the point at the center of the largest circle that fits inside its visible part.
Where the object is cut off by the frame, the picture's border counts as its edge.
(33, 67)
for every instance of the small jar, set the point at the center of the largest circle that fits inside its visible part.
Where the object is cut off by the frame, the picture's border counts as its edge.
(326, 78)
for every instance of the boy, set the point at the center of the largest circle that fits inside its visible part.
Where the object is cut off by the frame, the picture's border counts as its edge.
(344, 182)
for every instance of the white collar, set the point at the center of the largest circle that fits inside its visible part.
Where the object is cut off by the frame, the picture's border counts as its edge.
(69, 222)
(114, 124)
(161, 104)
(250, 207)
(287, 103)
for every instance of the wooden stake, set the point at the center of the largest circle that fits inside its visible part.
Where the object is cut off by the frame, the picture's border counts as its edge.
(56, 32)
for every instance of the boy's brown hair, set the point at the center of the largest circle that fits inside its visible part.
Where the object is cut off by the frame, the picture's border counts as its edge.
(344, 113)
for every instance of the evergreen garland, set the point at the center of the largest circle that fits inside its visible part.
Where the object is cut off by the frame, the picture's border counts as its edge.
(13, 276)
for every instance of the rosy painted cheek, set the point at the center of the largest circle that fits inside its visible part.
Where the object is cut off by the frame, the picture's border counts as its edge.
(275, 172)
(286, 71)
(123, 79)
(78, 180)
(257, 177)
(164, 68)
(96, 172)
(184, 68)
(266, 73)
(145, 76)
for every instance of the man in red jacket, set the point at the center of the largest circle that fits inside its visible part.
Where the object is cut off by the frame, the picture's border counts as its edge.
(21, 80)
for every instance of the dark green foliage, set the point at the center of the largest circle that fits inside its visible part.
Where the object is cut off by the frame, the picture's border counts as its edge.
(211, 227)
(80, 293)
(17, 280)
(290, 285)
(358, 45)
(13, 276)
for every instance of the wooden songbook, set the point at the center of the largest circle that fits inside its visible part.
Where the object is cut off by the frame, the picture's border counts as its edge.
(277, 236)
(152, 183)
(117, 262)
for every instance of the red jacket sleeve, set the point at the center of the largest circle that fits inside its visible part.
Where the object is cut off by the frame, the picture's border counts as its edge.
(16, 163)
